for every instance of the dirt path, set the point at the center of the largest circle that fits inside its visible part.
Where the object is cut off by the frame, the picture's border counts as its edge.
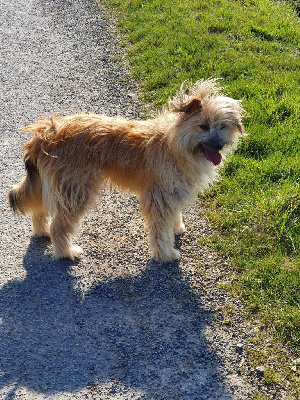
(114, 325)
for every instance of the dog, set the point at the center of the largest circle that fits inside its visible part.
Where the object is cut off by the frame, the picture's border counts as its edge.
(163, 160)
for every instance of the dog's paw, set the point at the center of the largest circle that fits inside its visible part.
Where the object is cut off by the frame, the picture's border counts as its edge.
(76, 251)
(72, 252)
(40, 228)
(45, 232)
(169, 256)
(179, 229)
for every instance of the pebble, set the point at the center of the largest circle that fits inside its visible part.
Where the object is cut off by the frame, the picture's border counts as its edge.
(260, 370)
(239, 348)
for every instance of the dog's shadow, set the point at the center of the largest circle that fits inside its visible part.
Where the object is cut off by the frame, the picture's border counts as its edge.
(142, 333)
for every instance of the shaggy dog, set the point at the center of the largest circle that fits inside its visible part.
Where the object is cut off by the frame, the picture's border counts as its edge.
(163, 160)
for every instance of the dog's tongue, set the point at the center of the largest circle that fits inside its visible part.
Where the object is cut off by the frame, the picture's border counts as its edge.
(214, 156)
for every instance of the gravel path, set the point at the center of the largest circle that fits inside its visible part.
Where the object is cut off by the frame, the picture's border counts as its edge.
(114, 325)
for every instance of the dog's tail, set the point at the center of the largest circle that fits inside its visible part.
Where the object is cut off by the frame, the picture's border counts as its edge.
(45, 129)
(26, 196)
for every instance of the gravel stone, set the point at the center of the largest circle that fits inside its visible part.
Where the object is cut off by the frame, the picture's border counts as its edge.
(114, 324)
(260, 371)
(239, 348)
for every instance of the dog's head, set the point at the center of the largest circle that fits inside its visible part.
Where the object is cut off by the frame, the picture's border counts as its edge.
(209, 124)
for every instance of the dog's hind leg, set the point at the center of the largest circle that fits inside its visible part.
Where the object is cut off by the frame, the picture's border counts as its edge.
(41, 223)
(72, 202)
(160, 215)
(61, 230)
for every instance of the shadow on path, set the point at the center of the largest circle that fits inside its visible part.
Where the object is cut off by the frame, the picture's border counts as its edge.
(145, 332)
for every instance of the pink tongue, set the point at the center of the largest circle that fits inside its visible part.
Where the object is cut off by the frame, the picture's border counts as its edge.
(214, 156)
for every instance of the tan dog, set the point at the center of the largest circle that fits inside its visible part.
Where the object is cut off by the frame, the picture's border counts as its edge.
(162, 160)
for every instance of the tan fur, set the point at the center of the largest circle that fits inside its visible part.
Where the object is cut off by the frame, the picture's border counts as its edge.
(162, 160)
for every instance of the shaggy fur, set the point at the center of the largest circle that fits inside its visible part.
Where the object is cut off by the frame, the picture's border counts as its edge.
(162, 160)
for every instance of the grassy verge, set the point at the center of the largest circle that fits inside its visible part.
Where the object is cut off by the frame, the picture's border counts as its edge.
(254, 46)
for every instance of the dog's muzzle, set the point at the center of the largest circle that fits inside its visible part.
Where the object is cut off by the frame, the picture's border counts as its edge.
(211, 145)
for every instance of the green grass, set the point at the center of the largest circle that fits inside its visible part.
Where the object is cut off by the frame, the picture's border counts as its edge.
(254, 46)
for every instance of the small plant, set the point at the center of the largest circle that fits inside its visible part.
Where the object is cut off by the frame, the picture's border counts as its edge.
(270, 376)
(259, 396)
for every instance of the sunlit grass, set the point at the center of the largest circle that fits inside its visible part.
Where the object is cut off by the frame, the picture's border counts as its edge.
(254, 46)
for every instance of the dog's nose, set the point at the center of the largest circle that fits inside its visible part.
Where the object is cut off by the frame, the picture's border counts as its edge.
(214, 145)
(217, 146)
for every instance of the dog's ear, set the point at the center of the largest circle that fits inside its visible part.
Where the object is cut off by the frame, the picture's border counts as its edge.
(240, 127)
(193, 106)
(184, 102)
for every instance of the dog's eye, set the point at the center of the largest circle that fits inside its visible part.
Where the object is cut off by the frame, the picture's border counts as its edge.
(222, 127)
(204, 127)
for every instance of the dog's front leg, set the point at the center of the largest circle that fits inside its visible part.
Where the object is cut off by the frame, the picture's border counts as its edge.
(161, 215)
